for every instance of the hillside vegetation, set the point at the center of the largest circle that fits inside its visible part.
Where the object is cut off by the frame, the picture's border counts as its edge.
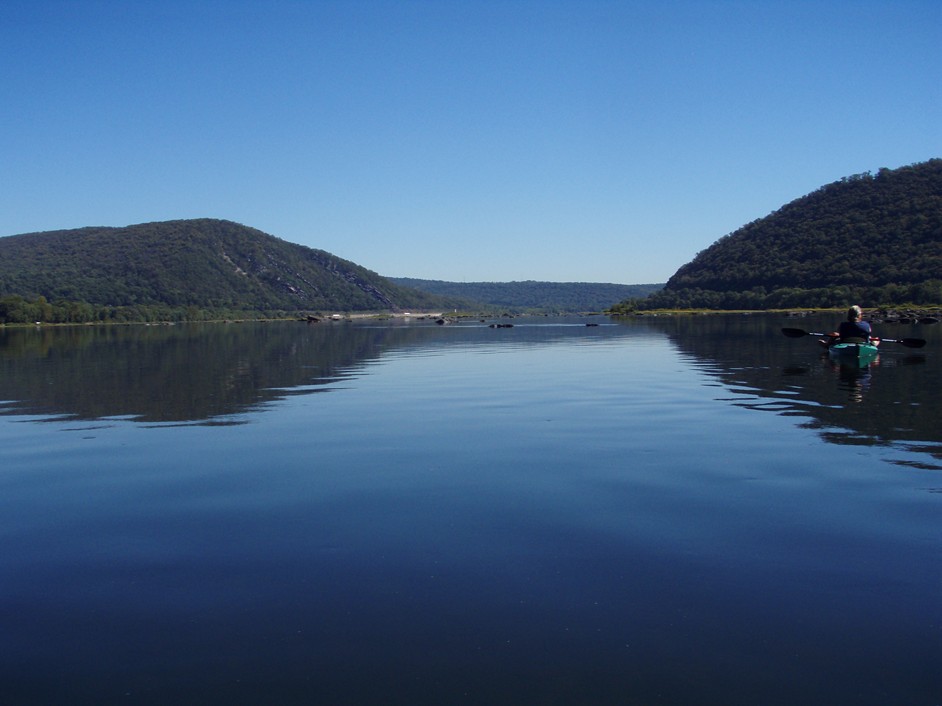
(870, 238)
(192, 269)
(551, 297)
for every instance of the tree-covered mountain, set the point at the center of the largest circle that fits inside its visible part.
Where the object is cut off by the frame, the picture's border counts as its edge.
(533, 296)
(200, 265)
(870, 238)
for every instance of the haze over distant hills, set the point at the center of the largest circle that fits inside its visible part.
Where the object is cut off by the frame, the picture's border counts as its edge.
(533, 296)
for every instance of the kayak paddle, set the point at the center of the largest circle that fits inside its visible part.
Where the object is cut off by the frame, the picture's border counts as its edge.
(908, 342)
(799, 333)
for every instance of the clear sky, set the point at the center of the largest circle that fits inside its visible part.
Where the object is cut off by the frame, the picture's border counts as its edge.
(494, 140)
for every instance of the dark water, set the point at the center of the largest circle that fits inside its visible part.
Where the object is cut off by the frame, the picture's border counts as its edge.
(689, 510)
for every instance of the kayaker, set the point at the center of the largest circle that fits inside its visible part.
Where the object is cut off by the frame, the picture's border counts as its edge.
(854, 330)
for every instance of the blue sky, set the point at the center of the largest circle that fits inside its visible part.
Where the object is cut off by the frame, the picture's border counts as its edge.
(474, 141)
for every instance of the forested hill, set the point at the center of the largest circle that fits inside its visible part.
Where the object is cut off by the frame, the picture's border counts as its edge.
(876, 238)
(200, 264)
(534, 296)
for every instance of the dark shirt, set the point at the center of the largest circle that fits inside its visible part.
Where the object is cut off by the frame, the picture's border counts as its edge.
(854, 329)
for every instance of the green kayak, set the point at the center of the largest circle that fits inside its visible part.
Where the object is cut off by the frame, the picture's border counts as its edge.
(856, 353)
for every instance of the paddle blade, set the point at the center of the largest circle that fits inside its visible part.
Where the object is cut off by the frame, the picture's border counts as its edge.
(908, 342)
(799, 332)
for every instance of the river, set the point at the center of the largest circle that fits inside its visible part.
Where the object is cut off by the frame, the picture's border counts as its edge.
(651, 510)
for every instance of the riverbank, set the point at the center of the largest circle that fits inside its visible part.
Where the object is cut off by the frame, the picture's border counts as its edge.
(877, 315)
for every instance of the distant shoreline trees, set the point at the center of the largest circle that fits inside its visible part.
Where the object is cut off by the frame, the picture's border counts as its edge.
(924, 294)
(15, 309)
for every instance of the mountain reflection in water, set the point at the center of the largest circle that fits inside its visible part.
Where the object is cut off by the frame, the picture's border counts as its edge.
(548, 513)
(181, 373)
(888, 403)
(212, 373)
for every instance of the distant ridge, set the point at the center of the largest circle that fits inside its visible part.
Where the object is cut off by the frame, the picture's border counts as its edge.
(210, 264)
(869, 238)
(563, 297)
(210, 268)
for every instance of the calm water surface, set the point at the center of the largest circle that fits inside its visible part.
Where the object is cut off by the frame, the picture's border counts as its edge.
(649, 511)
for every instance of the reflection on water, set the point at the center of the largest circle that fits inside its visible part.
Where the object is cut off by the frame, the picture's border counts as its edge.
(172, 373)
(890, 402)
(213, 373)
(419, 514)
(855, 379)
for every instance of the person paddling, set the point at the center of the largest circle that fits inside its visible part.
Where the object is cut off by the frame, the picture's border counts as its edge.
(853, 330)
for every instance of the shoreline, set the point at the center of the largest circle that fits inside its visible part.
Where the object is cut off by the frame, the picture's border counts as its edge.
(903, 314)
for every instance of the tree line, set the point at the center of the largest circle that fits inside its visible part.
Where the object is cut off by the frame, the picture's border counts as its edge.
(15, 309)
(927, 293)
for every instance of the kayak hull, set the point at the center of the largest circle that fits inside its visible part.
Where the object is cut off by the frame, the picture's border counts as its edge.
(854, 353)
